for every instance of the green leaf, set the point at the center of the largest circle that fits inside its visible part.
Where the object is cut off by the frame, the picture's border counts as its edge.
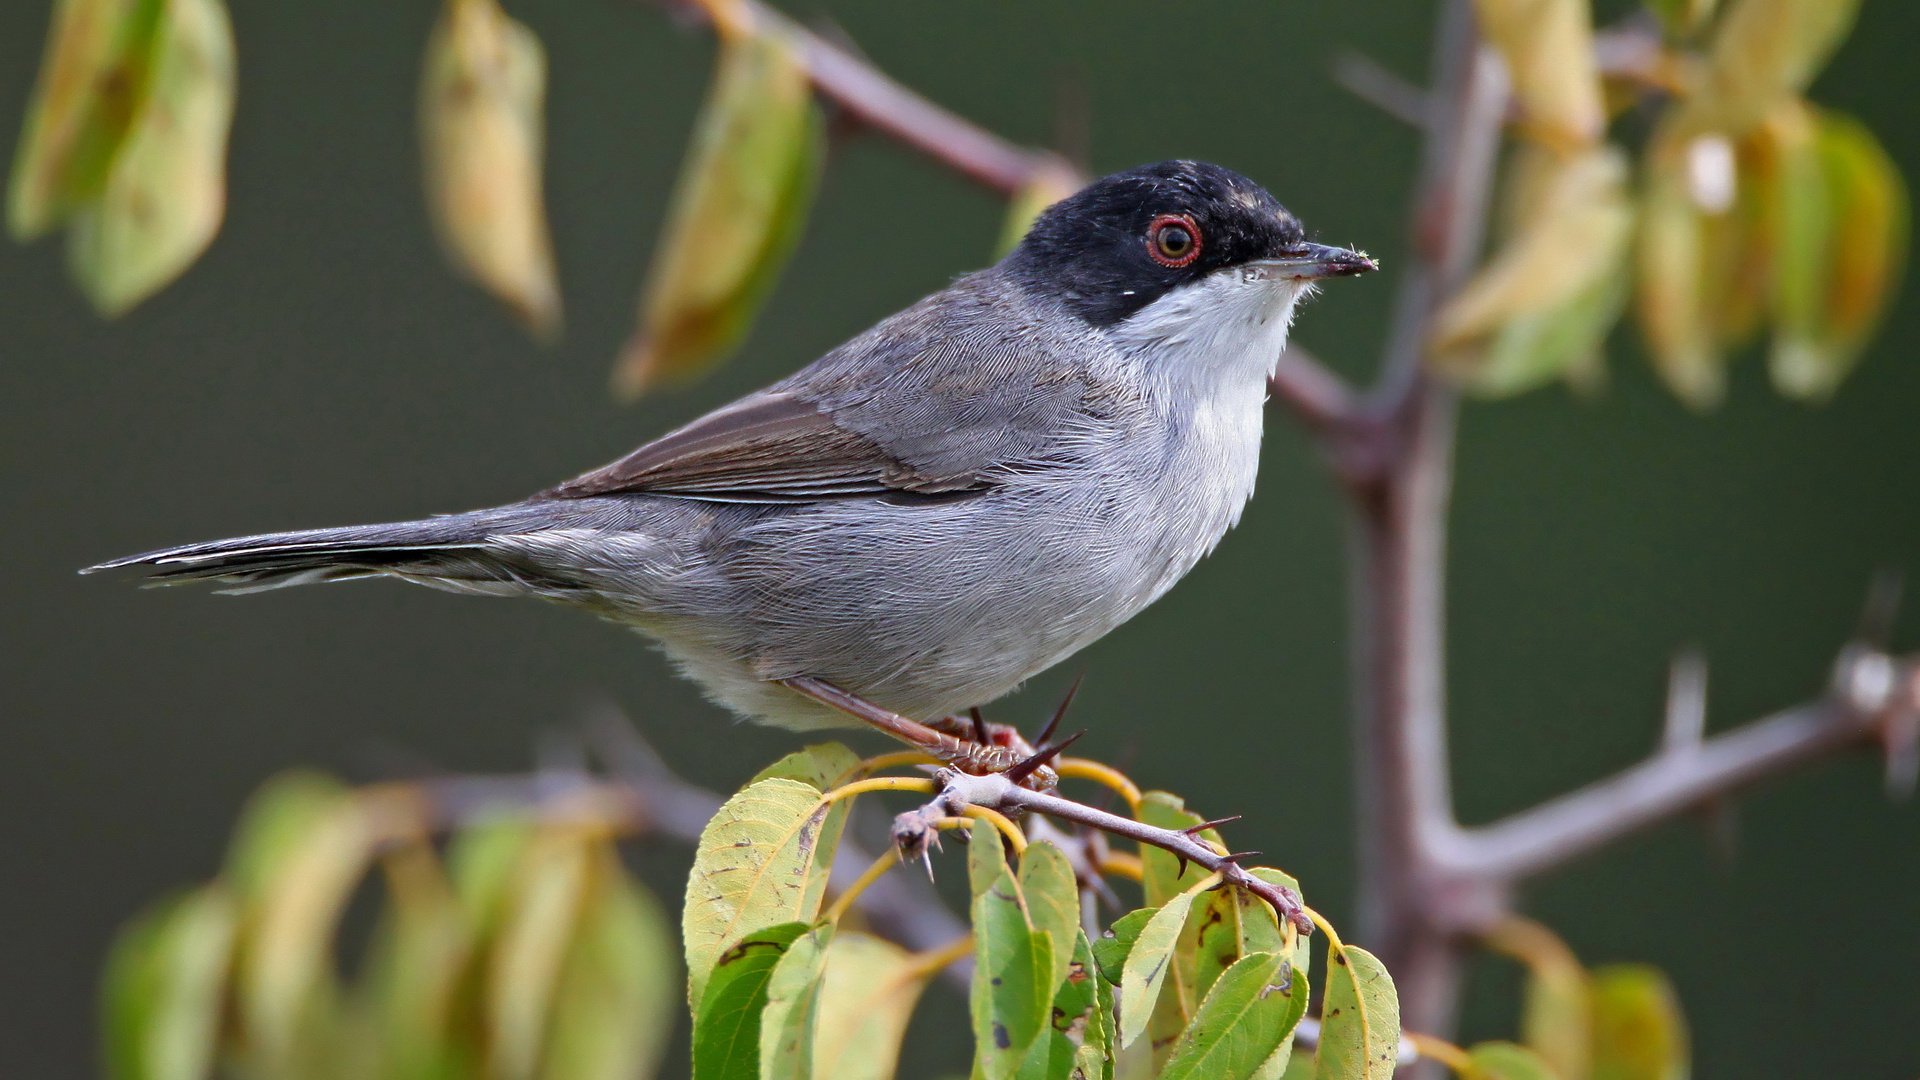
(1052, 895)
(738, 208)
(482, 859)
(819, 766)
(986, 856)
(1150, 962)
(1556, 1019)
(1639, 1032)
(165, 987)
(1047, 185)
(1083, 1013)
(868, 995)
(546, 897)
(422, 946)
(481, 94)
(755, 866)
(1241, 1022)
(166, 189)
(793, 996)
(615, 1004)
(1360, 1020)
(1008, 1003)
(303, 844)
(1111, 950)
(1230, 924)
(1507, 1061)
(1280, 1063)
(726, 1026)
(1161, 875)
(93, 78)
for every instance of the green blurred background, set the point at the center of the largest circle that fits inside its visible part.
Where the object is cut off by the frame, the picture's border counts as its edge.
(320, 366)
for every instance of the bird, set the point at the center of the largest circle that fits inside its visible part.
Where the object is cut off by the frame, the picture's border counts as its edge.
(925, 517)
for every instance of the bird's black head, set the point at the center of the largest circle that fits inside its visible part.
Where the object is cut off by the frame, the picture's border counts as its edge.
(1124, 241)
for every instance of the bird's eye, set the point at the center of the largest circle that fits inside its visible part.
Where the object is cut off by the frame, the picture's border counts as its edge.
(1173, 240)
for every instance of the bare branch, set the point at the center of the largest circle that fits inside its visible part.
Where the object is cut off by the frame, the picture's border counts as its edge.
(1318, 397)
(1372, 82)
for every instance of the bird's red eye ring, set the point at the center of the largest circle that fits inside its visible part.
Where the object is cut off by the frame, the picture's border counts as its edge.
(1173, 240)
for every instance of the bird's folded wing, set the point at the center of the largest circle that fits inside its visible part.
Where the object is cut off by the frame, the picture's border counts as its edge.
(772, 446)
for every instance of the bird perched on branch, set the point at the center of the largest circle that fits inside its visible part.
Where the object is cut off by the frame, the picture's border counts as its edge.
(950, 503)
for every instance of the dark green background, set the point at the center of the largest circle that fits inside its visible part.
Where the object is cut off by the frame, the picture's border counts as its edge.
(320, 367)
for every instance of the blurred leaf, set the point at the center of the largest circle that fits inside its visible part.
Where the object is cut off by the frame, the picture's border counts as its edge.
(1250, 1009)
(1505, 1061)
(868, 995)
(1671, 271)
(482, 92)
(1360, 1019)
(1051, 1057)
(726, 1025)
(421, 949)
(1840, 212)
(617, 997)
(1048, 185)
(1681, 18)
(165, 988)
(753, 868)
(1639, 1032)
(1011, 959)
(1150, 961)
(1551, 293)
(1548, 49)
(1765, 51)
(738, 208)
(92, 79)
(166, 188)
(1110, 951)
(1556, 1017)
(1052, 895)
(793, 997)
(986, 856)
(303, 844)
(545, 901)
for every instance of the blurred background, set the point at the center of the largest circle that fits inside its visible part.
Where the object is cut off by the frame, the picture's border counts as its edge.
(320, 366)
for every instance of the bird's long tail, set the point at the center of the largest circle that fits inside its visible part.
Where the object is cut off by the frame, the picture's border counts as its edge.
(455, 552)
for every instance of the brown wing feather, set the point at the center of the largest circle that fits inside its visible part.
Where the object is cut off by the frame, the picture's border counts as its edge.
(768, 447)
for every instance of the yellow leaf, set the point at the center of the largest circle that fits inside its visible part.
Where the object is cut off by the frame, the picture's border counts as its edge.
(1639, 1032)
(737, 211)
(92, 78)
(868, 996)
(166, 189)
(1048, 185)
(546, 896)
(752, 869)
(1767, 50)
(481, 96)
(1569, 247)
(1359, 1019)
(1556, 1018)
(614, 1006)
(1548, 49)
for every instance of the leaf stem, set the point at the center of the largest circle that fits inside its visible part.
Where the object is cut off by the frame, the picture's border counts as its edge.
(845, 900)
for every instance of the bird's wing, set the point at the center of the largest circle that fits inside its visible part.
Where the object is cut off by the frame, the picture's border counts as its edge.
(773, 446)
(951, 395)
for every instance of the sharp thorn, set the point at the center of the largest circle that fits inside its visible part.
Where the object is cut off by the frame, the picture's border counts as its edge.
(1235, 858)
(979, 726)
(1026, 767)
(1182, 871)
(926, 860)
(1060, 711)
(1194, 830)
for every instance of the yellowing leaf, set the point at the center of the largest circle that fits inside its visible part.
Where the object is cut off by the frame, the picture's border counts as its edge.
(421, 950)
(1840, 211)
(1639, 1032)
(737, 211)
(1549, 295)
(166, 188)
(1548, 49)
(1359, 1020)
(481, 96)
(1556, 1017)
(1497, 1060)
(92, 78)
(752, 869)
(866, 1000)
(1681, 18)
(1765, 51)
(302, 847)
(1048, 185)
(1670, 271)
(545, 900)
(821, 766)
(164, 991)
(617, 998)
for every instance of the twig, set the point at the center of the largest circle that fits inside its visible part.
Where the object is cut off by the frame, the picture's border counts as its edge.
(1372, 82)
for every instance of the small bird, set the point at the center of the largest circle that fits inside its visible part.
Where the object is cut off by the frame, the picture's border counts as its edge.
(937, 510)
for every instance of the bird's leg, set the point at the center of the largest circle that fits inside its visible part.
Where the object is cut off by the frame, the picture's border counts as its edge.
(1014, 757)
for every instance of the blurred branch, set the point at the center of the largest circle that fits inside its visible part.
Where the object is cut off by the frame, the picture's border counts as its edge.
(876, 100)
(1372, 82)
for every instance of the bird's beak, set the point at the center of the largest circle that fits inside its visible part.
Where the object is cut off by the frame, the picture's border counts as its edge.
(1309, 262)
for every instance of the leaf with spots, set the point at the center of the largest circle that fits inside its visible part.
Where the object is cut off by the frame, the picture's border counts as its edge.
(726, 1026)
(1110, 952)
(793, 998)
(1009, 1005)
(1052, 895)
(1250, 1009)
(1280, 1062)
(821, 766)
(1360, 1019)
(755, 867)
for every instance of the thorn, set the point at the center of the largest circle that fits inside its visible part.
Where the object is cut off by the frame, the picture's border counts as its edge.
(1882, 606)
(1026, 768)
(1686, 719)
(979, 725)
(1238, 855)
(1060, 711)
(1193, 831)
(926, 860)
(1182, 870)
